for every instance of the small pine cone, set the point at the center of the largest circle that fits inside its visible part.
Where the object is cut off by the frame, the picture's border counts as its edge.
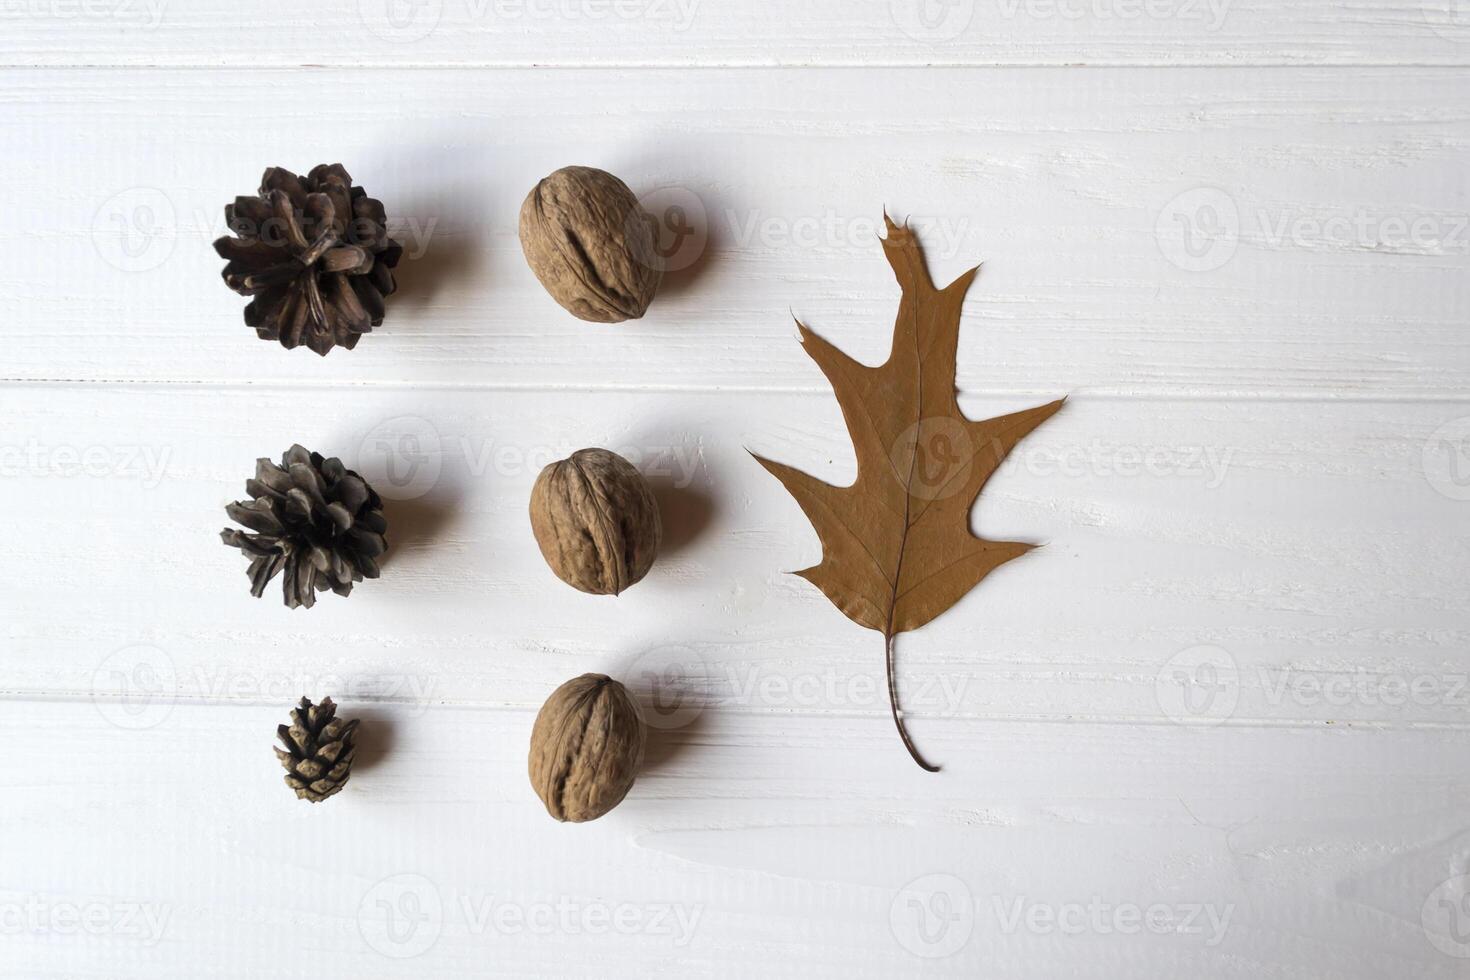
(314, 253)
(314, 519)
(318, 749)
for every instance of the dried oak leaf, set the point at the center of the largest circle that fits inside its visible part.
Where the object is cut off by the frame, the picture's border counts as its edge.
(897, 549)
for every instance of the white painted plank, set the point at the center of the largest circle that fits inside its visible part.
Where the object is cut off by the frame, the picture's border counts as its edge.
(769, 846)
(255, 33)
(1305, 540)
(1058, 180)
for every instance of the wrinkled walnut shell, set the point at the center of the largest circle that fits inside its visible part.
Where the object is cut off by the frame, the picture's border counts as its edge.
(596, 521)
(591, 244)
(586, 746)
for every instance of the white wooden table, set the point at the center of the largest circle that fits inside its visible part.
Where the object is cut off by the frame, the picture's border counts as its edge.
(1216, 728)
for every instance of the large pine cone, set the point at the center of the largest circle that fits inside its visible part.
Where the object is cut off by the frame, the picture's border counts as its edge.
(315, 519)
(314, 253)
(319, 749)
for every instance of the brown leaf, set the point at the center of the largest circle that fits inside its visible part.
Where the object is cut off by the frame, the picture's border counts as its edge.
(896, 545)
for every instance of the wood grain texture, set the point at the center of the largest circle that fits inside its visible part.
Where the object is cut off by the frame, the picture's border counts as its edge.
(1076, 188)
(1304, 538)
(1215, 727)
(631, 33)
(752, 846)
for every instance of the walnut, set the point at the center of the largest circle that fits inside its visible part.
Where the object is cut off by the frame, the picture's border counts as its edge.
(591, 244)
(586, 746)
(596, 521)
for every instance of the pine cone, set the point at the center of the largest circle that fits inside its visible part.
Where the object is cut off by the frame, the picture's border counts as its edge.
(314, 253)
(315, 519)
(319, 749)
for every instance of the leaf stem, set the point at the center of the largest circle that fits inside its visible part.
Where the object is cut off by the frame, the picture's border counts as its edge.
(903, 732)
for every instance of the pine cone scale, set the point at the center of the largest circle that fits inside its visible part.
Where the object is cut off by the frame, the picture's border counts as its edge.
(315, 255)
(312, 519)
(318, 750)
